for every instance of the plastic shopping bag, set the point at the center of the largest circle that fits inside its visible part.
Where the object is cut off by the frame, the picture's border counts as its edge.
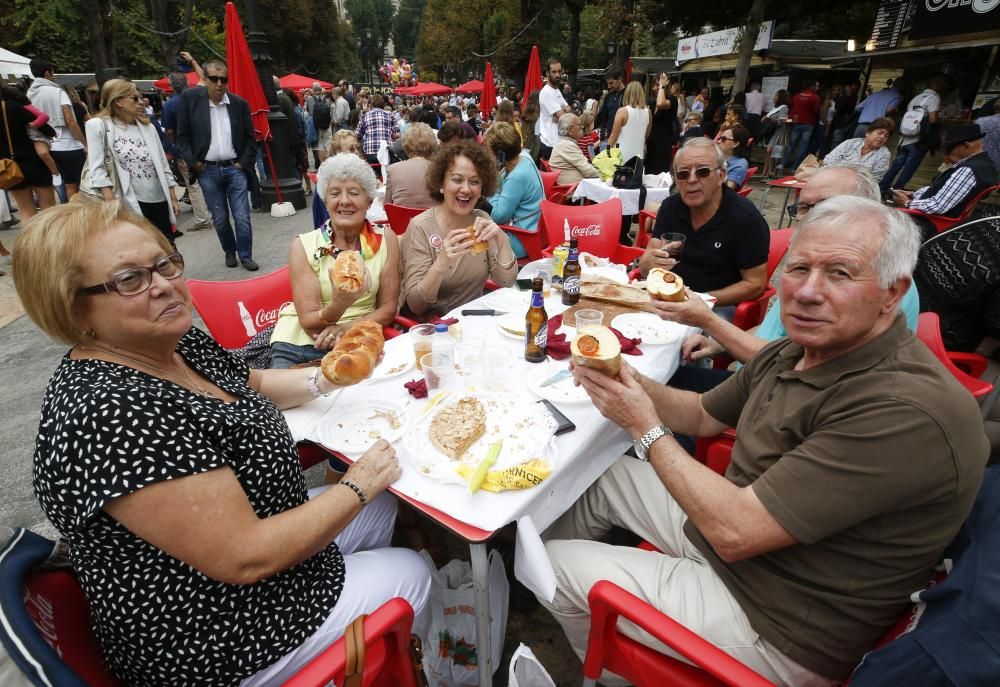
(527, 671)
(607, 161)
(450, 647)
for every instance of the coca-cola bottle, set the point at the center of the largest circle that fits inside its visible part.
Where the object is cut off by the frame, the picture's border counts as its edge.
(247, 320)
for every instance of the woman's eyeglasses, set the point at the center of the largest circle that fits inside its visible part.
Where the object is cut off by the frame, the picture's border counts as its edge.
(218, 79)
(726, 138)
(132, 282)
(136, 98)
(700, 172)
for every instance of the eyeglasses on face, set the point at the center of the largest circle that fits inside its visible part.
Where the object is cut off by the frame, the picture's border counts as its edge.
(217, 79)
(135, 280)
(135, 97)
(700, 172)
(726, 138)
(799, 210)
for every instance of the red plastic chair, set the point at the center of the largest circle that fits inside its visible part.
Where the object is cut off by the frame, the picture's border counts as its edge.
(218, 303)
(929, 331)
(608, 649)
(602, 240)
(399, 217)
(545, 165)
(549, 179)
(745, 187)
(943, 222)
(750, 313)
(387, 652)
(534, 242)
(642, 236)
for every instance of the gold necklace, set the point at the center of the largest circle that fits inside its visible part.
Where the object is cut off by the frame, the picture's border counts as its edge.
(198, 388)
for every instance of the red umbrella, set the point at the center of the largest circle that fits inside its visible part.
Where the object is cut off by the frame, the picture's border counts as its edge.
(474, 86)
(430, 88)
(244, 82)
(489, 98)
(628, 71)
(533, 79)
(297, 82)
(164, 83)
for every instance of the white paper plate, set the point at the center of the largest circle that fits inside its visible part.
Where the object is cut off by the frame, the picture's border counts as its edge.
(527, 430)
(646, 326)
(354, 429)
(512, 325)
(561, 392)
(397, 360)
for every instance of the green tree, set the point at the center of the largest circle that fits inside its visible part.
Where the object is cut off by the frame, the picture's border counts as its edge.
(371, 21)
(406, 28)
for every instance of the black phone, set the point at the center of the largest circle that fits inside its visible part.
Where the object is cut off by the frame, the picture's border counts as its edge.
(565, 424)
(523, 284)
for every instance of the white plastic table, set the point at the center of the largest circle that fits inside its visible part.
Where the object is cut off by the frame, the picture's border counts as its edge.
(599, 191)
(585, 453)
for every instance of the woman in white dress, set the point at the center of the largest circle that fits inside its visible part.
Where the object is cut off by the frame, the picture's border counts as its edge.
(632, 123)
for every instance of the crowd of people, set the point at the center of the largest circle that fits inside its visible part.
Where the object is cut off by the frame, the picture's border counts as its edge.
(244, 575)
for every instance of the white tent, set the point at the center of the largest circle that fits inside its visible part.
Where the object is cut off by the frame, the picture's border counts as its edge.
(13, 65)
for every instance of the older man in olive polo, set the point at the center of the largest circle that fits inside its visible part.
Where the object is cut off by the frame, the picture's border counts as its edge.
(857, 458)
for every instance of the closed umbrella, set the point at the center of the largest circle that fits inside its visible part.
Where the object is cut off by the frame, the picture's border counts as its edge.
(244, 82)
(628, 70)
(489, 98)
(533, 79)
(474, 86)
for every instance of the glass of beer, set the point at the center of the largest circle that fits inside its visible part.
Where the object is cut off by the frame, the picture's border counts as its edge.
(673, 244)
(422, 336)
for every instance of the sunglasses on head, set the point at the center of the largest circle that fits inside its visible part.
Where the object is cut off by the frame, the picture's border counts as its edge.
(700, 172)
(218, 79)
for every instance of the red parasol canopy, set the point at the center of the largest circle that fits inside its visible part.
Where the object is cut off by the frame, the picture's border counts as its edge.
(474, 86)
(533, 79)
(430, 88)
(489, 98)
(164, 83)
(628, 71)
(297, 82)
(243, 79)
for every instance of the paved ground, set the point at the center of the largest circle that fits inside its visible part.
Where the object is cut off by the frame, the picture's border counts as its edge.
(30, 357)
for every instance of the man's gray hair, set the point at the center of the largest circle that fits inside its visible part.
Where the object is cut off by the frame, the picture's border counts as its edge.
(565, 122)
(865, 186)
(345, 167)
(702, 142)
(896, 257)
(214, 64)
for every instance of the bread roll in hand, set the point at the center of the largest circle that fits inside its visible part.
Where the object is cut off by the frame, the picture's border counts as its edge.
(665, 286)
(479, 246)
(348, 273)
(355, 355)
(597, 347)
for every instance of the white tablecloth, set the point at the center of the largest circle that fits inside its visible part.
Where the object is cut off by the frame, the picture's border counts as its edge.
(585, 453)
(599, 191)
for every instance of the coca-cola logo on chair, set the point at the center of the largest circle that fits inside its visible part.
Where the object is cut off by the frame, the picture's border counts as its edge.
(589, 230)
(265, 318)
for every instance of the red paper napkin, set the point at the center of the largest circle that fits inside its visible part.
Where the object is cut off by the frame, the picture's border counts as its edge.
(417, 388)
(558, 347)
(443, 320)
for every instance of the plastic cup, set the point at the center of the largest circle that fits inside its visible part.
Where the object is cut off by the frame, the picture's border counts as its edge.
(422, 336)
(546, 275)
(674, 245)
(497, 364)
(469, 358)
(587, 317)
(439, 371)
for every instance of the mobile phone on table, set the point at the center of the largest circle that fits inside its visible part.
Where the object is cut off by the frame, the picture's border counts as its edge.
(564, 423)
(523, 284)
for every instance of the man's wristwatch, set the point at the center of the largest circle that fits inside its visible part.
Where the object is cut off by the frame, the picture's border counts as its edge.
(646, 441)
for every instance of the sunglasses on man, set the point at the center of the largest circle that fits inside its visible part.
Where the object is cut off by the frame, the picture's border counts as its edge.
(700, 172)
(218, 79)
(799, 210)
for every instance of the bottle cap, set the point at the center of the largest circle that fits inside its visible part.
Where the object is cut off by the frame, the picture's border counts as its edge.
(438, 328)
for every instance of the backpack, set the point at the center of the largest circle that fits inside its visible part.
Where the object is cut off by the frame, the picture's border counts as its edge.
(915, 122)
(321, 114)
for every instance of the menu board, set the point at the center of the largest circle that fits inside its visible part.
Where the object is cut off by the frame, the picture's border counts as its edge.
(888, 24)
(769, 86)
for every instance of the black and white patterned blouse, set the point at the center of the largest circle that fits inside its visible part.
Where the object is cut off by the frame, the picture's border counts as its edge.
(108, 430)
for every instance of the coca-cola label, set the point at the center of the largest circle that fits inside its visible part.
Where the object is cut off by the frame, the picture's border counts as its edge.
(590, 230)
(265, 318)
(571, 285)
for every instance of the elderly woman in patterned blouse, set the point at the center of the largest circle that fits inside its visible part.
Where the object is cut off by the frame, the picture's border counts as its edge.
(167, 466)
(868, 151)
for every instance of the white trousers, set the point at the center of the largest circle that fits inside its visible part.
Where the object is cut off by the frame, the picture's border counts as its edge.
(374, 574)
(679, 581)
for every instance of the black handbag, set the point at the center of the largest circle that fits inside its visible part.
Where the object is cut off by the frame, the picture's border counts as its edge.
(629, 176)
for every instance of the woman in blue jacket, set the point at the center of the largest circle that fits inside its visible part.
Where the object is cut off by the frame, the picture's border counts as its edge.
(518, 202)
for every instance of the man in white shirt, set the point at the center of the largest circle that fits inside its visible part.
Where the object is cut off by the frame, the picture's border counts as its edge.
(912, 149)
(69, 147)
(755, 100)
(552, 106)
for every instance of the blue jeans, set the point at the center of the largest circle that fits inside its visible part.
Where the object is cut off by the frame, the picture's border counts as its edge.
(801, 135)
(225, 190)
(286, 355)
(908, 159)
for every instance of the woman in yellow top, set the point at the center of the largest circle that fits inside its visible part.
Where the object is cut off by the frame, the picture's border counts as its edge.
(309, 326)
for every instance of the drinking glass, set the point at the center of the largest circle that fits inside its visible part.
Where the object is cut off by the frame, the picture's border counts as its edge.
(469, 359)
(673, 244)
(587, 317)
(439, 371)
(497, 367)
(422, 336)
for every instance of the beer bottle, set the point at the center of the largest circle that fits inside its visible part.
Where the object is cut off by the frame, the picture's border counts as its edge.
(571, 275)
(536, 325)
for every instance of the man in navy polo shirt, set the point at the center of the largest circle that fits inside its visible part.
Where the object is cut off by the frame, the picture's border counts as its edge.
(727, 239)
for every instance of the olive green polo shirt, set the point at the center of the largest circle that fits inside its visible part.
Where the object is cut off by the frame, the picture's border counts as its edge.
(871, 461)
